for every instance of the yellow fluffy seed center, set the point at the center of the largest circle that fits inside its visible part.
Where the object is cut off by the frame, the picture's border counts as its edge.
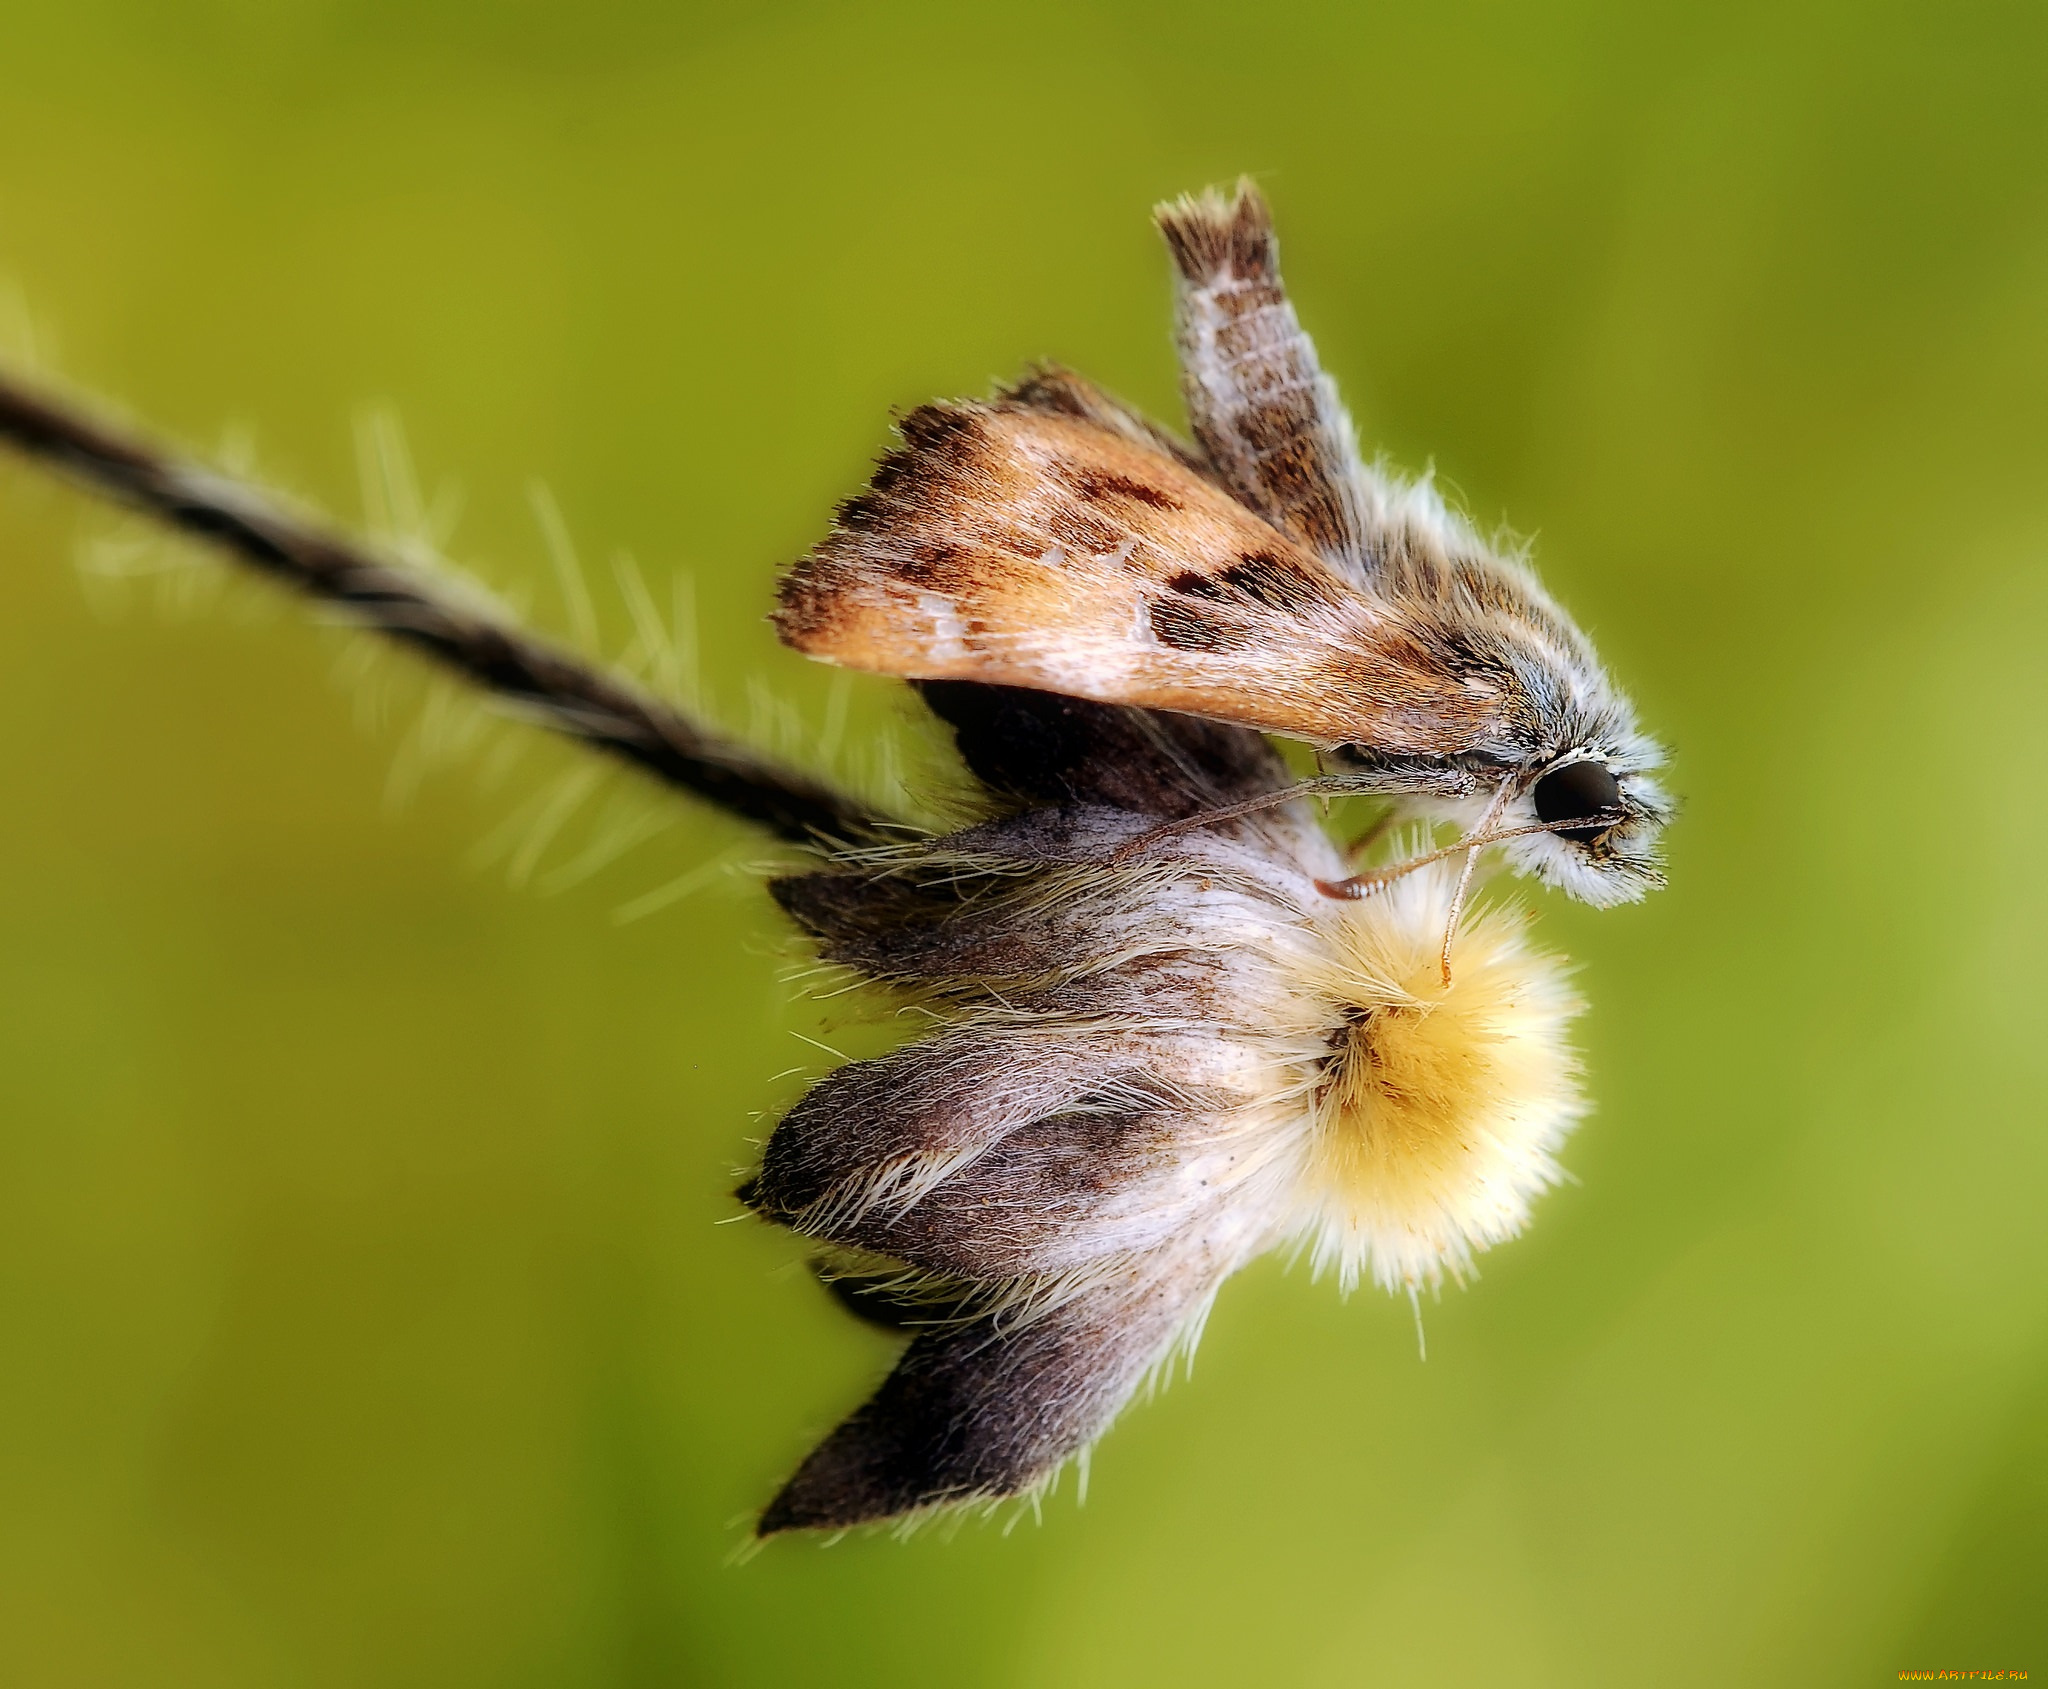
(1437, 1106)
(1407, 1083)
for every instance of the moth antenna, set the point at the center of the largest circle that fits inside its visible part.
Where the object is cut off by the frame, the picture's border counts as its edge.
(1334, 785)
(1364, 885)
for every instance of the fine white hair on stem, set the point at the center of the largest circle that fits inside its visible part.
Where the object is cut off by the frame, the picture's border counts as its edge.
(462, 631)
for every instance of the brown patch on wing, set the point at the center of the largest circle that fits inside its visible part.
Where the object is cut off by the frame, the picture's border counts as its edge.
(1053, 390)
(1022, 547)
(1260, 405)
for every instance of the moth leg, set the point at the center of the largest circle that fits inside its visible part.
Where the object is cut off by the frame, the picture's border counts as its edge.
(1258, 401)
(1374, 880)
(1457, 909)
(1331, 785)
(1488, 822)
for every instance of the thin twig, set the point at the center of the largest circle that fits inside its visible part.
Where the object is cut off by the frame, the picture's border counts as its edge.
(603, 709)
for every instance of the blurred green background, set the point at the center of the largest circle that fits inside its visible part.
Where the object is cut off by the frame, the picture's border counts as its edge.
(366, 1317)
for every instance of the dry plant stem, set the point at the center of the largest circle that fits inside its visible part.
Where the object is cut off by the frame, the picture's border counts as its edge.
(602, 709)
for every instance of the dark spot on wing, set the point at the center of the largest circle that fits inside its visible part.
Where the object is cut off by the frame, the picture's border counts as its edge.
(937, 564)
(1009, 542)
(1276, 582)
(940, 444)
(935, 428)
(1101, 486)
(1186, 628)
(1258, 577)
(1081, 532)
(865, 512)
(1200, 586)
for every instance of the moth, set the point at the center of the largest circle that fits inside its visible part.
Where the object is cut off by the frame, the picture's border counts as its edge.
(1134, 1076)
(1264, 575)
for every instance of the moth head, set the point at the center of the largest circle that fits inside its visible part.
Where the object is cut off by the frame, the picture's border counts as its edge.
(1612, 855)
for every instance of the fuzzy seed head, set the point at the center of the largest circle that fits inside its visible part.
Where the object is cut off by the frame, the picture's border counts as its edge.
(1439, 1106)
(1154, 1055)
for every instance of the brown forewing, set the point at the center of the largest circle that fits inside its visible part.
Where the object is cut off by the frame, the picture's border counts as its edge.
(1015, 545)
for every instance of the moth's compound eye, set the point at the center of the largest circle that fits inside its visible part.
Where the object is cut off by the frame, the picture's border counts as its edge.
(1578, 788)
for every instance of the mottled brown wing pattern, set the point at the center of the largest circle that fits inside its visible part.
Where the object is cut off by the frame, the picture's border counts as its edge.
(1265, 414)
(1053, 390)
(1017, 545)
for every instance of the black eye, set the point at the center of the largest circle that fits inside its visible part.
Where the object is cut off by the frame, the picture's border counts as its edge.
(1578, 788)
